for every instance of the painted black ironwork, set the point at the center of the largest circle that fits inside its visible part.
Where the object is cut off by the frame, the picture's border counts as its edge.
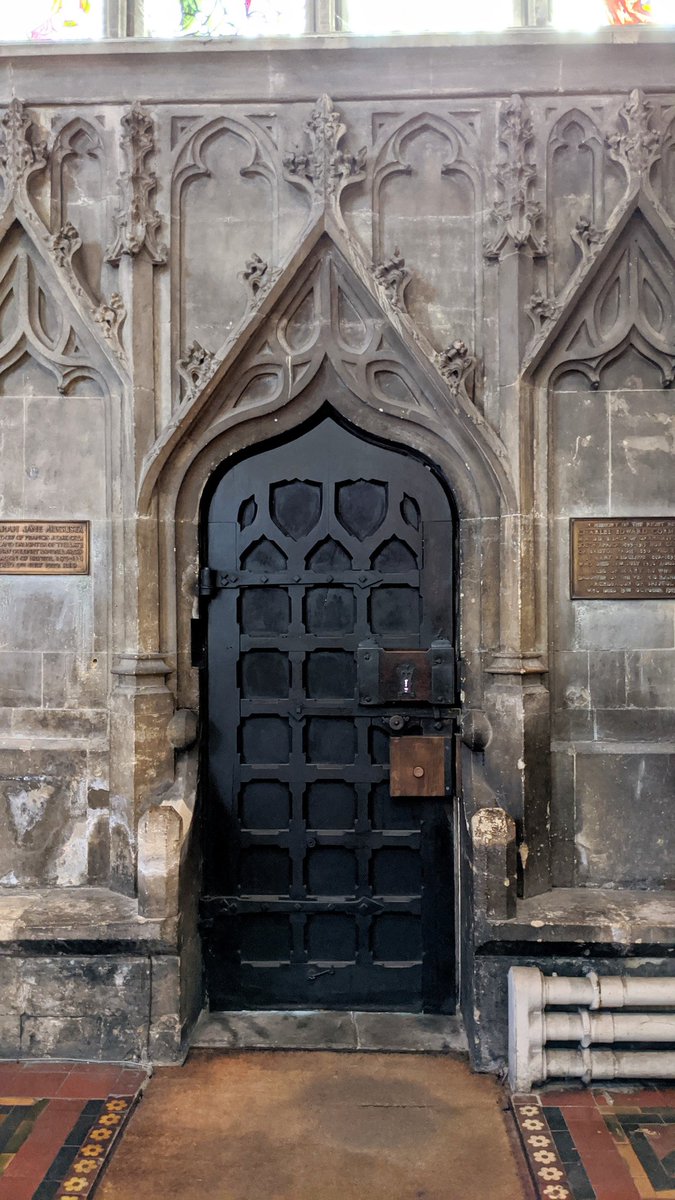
(320, 889)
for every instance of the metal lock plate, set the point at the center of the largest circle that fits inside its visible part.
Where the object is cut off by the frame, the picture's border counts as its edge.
(417, 766)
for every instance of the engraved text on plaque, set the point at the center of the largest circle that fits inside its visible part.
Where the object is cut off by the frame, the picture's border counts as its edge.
(622, 558)
(44, 547)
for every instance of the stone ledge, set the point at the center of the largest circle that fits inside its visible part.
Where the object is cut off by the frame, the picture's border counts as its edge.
(605, 916)
(85, 920)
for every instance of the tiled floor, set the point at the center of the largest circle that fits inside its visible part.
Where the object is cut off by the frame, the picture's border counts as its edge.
(600, 1144)
(58, 1125)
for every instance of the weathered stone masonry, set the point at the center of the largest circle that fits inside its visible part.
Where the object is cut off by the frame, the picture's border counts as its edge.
(472, 244)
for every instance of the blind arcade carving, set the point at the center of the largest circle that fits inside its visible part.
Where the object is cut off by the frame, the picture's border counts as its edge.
(44, 547)
(622, 558)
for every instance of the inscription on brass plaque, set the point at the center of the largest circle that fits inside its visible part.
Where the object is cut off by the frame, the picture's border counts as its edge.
(44, 547)
(622, 558)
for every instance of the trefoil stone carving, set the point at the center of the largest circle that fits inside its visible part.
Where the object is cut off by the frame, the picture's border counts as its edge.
(393, 277)
(22, 148)
(258, 278)
(515, 216)
(196, 368)
(136, 218)
(542, 311)
(321, 167)
(587, 237)
(457, 367)
(64, 244)
(110, 318)
(636, 147)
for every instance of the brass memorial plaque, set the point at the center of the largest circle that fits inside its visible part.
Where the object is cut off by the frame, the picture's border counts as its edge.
(44, 547)
(622, 558)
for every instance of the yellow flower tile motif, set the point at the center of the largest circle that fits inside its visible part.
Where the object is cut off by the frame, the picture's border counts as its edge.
(530, 1110)
(116, 1105)
(101, 1135)
(538, 1140)
(533, 1124)
(109, 1119)
(76, 1185)
(91, 1151)
(85, 1167)
(544, 1156)
(555, 1192)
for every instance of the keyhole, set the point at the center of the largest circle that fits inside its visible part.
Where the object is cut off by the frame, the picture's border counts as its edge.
(406, 680)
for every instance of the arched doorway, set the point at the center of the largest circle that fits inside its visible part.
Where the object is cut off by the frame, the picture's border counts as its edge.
(328, 579)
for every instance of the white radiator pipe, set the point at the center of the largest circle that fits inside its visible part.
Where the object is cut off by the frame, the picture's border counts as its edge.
(531, 1027)
(610, 1064)
(586, 1027)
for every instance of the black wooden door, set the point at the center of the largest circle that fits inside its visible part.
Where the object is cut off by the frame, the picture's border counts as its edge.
(321, 890)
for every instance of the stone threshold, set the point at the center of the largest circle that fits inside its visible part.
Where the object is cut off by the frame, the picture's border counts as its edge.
(412, 1033)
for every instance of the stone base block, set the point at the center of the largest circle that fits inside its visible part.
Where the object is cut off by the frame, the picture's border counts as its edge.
(112, 1008)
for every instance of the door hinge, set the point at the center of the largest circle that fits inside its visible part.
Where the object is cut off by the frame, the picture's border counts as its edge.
(207, 583)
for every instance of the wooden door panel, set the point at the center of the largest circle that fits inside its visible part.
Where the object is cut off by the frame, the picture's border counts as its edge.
(321, 890)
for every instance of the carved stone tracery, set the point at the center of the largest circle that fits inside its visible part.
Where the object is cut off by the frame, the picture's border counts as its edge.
(136, 218)
(320, 167)
(630, 303)
(636, 146)
(22, 149)
(515, 217)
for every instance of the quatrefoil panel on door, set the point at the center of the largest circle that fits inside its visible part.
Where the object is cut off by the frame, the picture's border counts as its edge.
(295, 507)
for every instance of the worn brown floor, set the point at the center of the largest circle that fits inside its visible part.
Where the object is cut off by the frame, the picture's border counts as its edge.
(317, 1126)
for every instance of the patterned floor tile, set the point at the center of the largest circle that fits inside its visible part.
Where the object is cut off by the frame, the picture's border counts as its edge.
(600, 1144)
(55, 1141)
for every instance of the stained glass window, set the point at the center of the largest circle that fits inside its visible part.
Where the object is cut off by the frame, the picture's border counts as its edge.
(592, 14)
(364, 17)
(51, 20)
(224, 18)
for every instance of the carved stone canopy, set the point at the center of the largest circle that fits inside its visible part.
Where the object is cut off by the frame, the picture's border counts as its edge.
(625, 298)
(326, 308)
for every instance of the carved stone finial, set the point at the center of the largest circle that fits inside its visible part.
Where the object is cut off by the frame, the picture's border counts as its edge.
(22, 148)
(64, 244)
(393, 277)
(137, 219)
(588, 237)
(515, 216)
(258, 278)
(196, 367)
(111, 317)
(321, 167)
(457, 366)
(542, 311)
(636, 147)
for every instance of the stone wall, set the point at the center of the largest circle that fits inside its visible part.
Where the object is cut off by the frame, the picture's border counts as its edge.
(478, 264)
